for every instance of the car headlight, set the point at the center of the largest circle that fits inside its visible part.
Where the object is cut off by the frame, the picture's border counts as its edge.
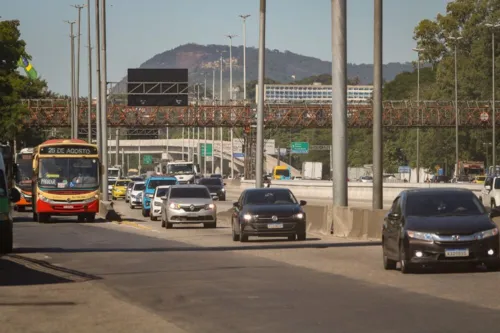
(209, 206)
(486, 233)
(247, 217)
(157, 204)
(89, 200)
(44, 199)
(175, 206)
(299, 216)
(426, 236)
(223, 190)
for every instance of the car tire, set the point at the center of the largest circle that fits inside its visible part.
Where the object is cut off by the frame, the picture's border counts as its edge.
(168, 225)
(145, 213)
(162, 222)
(405, 267)
(153, 218)
(131, 206)
(81, 218)
(90, 217)
(389, 264)
(243, 238)
(7, 239)
(126, 200)
(301, 236)
(43, 218)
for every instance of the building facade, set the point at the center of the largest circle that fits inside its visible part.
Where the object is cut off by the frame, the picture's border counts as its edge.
(315, 93)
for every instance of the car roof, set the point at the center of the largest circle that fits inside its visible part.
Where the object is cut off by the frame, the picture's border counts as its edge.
(437, 190)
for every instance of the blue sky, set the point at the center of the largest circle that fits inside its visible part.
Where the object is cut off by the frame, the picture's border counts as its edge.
(137, 30)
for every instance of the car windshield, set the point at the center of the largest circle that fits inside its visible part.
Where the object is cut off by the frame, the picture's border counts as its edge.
(270, 197)
(180, 168)
(196, 192)
(282, 172)
(439, 204)
(122, 183)
(138, 187)
(113, 173)
(210, 181)
(154, 183)
(68, 173)
(162, 192)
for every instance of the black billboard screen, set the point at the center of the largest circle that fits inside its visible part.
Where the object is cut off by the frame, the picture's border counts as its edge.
(157, 87)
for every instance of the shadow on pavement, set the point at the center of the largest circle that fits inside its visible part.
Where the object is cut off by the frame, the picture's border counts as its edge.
(189, 248)
(21, 271)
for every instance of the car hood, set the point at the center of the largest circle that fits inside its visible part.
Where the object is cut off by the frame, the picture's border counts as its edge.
(448, 225)
(189, 201)
(272, 209)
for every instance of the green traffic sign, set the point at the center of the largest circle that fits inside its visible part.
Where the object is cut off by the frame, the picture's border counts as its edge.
(209, 150)
(300, 147)
(147, 159)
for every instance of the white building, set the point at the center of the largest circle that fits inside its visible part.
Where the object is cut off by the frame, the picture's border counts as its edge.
(315, 93)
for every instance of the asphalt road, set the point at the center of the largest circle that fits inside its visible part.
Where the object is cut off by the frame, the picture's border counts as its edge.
(201, 281)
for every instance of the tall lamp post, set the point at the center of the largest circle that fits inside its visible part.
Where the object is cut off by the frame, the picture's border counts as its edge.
(231, 97)
(244, 17)
(493, 26)
(418, 50)
(457, 168)
(72, 56)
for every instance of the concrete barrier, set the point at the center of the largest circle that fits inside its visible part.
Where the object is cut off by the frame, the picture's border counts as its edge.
(107, 212)
(356, 191)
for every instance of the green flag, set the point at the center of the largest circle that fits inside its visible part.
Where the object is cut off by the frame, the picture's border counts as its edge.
(28, 67)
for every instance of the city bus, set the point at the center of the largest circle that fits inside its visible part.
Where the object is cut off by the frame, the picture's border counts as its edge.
(24, 178)
(65, 180)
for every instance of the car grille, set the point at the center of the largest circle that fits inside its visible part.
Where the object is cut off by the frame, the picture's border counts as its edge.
(281, 218)
(196, 208)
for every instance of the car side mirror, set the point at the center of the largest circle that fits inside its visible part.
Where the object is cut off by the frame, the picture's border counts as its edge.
(487, 187)
(303, 202)
(15, 195)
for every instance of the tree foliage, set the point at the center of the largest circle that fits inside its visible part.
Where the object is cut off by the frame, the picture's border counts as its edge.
(13, 86)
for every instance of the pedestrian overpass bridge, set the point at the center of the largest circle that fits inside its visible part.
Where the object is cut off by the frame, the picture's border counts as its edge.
(184, 149)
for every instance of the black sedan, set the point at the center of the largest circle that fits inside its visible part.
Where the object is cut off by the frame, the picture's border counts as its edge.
(215, 187)
(425, 227)
(267, 212)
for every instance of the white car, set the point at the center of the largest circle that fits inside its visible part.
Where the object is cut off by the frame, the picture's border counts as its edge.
(135, 196)
(161, 193)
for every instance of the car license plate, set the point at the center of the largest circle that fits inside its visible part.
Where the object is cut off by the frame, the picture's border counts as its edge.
(275, 226)
(68, 207)
(456, 252)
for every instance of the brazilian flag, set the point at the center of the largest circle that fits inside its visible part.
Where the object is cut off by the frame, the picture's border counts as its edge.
(28, 67)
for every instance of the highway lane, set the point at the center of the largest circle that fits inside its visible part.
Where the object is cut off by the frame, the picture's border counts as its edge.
(205, 290)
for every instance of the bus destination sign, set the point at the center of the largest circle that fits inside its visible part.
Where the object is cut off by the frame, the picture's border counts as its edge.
(68, 150)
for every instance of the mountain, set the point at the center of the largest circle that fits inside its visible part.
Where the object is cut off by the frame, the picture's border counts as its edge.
(280, 66)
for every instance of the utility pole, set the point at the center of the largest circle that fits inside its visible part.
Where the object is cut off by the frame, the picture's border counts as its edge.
(418, 113)
(260, 97)
(221, 142)
(97, 48)
(72, 57)
(244, 17)
(78, 54)
(104, 98)
(89, 104)
(213, 116)
(457, 166)
(339, 101)
(205, 87)
(378, 199)
(231, 98)
(493, 108)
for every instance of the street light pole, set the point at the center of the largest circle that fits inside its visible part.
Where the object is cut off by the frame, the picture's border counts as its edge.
(418, 113)
(231, 98)
(213, 128)
(457, 167)
(72, 57)
(493, 99)
(259, 158)
(89, 104)
(97, 48)
(221, 140)
(244, 17)
(78, 54)
(378, 199)
(104, 98)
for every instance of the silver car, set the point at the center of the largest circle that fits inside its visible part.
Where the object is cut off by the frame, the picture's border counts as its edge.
(189, 204)
(135, 196)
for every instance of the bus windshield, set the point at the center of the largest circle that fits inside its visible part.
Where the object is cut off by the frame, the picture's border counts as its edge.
(68, 173)
(24, 174)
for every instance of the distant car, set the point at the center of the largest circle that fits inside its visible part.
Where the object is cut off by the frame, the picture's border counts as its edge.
(161, 193)
(266, 212)
(129, 190)
(215, 186)
(119, 189)
(189, 204)
(135, 196)
(439, 226)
